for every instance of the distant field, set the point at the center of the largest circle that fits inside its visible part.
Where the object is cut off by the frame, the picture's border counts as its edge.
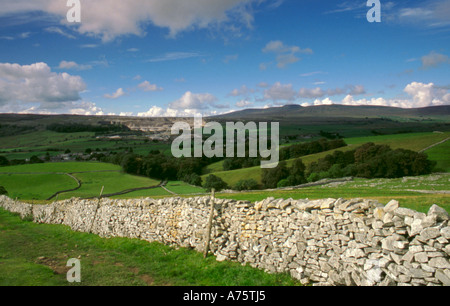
(35, 186)
(40, 181)
(68, 167)
(40, 142)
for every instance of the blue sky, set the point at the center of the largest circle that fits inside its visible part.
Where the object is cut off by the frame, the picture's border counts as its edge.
(178, 57)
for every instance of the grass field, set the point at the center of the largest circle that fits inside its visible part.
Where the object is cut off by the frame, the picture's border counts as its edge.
(418, 193)
(440, 154)
(36, 255)
(40, 181)
(35, 186)
(39, 142)
(411, 141)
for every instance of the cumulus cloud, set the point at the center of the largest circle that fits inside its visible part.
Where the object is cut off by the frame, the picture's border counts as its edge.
(37, 83)
(117, 94)
(280, 92)
(147, 86)
(156, 111)
(194, 101)
(243, 91)
(109, 19)
(285, 55)
(189, 105)
(420, 95)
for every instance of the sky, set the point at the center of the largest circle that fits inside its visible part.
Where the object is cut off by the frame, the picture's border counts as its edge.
(183, 57)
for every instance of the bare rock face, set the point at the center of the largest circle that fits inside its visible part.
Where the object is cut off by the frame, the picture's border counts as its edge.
(325, 242)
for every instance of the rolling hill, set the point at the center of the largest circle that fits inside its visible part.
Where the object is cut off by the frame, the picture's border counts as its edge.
(340, 111)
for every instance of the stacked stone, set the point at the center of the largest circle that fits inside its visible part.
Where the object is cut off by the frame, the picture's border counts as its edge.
(324, 242)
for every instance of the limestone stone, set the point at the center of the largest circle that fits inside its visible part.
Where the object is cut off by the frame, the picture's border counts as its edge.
(327, 242)
(440, 213)
(391, 206)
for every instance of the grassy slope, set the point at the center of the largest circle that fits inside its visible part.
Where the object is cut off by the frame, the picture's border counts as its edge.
(35, 186)
(413, 141)
(43, 180)
(440, 154)
(110, 262)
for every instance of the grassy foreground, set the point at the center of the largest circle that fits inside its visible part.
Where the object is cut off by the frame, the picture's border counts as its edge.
(36, 255)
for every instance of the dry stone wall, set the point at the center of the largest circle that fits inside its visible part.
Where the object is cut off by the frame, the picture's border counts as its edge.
(324, 242)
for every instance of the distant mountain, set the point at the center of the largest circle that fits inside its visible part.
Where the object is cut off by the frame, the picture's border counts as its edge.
(335, 111)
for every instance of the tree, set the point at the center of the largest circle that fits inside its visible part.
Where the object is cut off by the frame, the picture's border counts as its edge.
(215, 182)
(35, 160)
(193, 179)
(130, 164)
(271, 177)
(297, 173)
(3, 161)
(3, 191)
(249, 184)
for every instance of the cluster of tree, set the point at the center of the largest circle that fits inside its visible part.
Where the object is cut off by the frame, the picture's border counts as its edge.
(367, 161)
(78, 127)
(290, 152)
(314, 147)
(239, 163)
(371, 161)
(159, 166)
(283, 176)
(33, 160)
(8, 130)
(214, 182)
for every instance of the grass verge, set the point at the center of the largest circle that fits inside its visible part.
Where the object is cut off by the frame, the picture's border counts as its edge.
(36, 255)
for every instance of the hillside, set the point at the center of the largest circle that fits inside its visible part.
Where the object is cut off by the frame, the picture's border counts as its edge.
(340, 111)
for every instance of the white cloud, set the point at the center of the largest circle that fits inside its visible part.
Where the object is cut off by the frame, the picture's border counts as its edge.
(174, 56)
(285, 55)
(314, 93)
(59, 31)
(280, 92)
(85, 108)
(311, 93)
(156, 111)
(109, 19)
(192, 101)
(431, 14)
(243, 91)
(420, 95)
(146, 86)
(37, 83)
(434, 59)
(244, 103)
(73, 65)
(119, 93)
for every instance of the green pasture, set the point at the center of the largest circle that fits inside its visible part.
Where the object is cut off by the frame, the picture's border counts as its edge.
(35, 186)
(411, 141)
(418, 193)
